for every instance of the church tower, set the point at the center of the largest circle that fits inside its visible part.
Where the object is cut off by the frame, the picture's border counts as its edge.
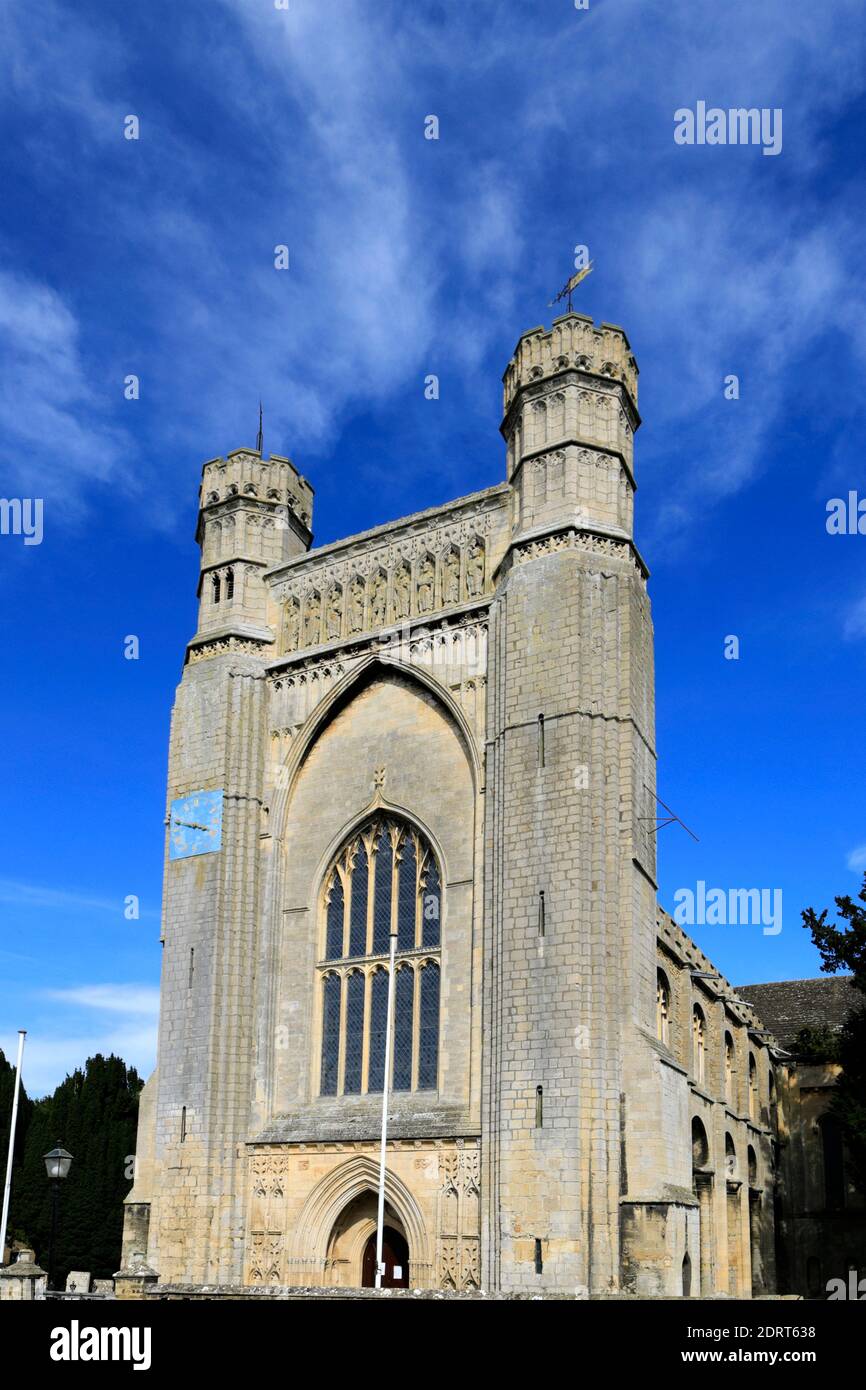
(441, 728)
(186, 1208)
(570, 865)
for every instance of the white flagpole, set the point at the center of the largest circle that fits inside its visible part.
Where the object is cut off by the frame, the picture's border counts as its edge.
(22, 1033)
(386, 1085)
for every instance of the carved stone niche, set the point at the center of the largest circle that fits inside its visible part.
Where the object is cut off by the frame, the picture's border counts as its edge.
(312, 619)
(459, 1218)
(426, 583)
(334, 612)
(378, 598)
(451, 576)
(475, 567)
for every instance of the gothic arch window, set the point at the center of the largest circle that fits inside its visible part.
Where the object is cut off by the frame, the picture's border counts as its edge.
(730, 1070)
(700, 1145)
(230, 583)
(215, 587)
(753, 1088)
(699, 1044)
(386, 874)
(663, 1008)
(730, 1158)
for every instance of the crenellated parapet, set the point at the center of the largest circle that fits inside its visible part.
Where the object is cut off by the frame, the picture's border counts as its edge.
(245, 473)
(573, 342)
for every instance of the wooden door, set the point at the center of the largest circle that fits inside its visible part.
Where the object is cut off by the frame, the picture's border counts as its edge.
(395, 1257)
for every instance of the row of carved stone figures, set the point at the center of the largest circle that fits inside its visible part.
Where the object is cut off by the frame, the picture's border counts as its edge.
(362, 605)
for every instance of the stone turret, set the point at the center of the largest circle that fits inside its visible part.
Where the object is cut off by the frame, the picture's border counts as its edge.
(570, 415)
(254, 513)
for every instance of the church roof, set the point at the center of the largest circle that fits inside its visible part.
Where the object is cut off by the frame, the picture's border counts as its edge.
(786, 1006)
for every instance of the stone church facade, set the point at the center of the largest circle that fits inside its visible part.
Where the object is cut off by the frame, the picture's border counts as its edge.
(443, 727)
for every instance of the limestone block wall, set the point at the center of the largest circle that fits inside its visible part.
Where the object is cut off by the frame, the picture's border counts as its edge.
(201, 1109)
(728, 1117)
(562, 827)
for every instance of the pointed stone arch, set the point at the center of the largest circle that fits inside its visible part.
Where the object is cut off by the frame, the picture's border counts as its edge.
(337, 698)
(310, 1241)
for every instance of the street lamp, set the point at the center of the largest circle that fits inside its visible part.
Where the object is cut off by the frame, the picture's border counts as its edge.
(57, 1164)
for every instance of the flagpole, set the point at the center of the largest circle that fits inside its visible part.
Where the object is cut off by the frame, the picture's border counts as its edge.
(380, 1223)
(22, 1033)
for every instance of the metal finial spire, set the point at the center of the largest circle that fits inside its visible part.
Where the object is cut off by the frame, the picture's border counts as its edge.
(568, 289)
(260, 435)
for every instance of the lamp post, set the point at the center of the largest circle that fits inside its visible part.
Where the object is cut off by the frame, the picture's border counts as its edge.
(57, 1164)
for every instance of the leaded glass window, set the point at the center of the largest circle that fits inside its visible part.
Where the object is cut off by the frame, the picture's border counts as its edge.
(407, 896)
(428, 1050)
(382, 897)
(331, 991)
(354, 1032)
(378, 1017)
(431, 905)
(358, 914)
(403, 1016)
(385, 875)
(336, 913)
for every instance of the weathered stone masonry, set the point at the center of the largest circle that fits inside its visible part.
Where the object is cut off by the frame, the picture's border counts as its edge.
(482, 674)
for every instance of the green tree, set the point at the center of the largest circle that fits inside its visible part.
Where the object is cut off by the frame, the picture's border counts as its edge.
(93, 1114)
(843, 947)
(817, 1044)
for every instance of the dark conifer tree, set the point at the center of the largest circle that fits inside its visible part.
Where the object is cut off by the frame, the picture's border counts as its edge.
(93, 1114)
(844, 948)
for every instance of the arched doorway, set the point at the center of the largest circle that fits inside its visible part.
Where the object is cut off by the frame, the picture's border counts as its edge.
(332, 1229)
(352, 1246)
(395, 1257)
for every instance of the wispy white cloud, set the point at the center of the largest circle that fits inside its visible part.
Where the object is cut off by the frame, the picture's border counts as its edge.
(406, 252)
(48, 1058)
(857, 858)
(123, 999)
(63, 1039)
(51, 419)
(31, 895)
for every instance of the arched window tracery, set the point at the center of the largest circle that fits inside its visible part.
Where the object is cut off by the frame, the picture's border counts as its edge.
(663, 1008)
(699, 1044)
(754, 1099)
(730, 1070)
(386, 874)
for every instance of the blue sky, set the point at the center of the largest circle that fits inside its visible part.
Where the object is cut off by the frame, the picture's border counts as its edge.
(304, 127)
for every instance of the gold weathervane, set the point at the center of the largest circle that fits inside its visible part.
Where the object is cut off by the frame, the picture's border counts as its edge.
(568, 289)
